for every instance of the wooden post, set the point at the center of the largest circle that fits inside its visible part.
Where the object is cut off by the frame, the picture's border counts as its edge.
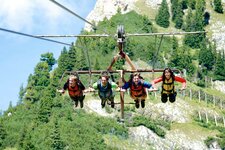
(206, 98)
(215, 120)
(190, 94)
(212, 83)
(122, 99)
(199, 115)
(223, 122)
(206, 81)
(199, 95)
(206, 117)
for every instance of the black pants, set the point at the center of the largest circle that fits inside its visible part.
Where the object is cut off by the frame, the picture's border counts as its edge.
(77, 99)
(172, 97)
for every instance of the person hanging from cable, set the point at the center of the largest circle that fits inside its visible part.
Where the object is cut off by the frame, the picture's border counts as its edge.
(168, 88)
(75, 89)
(104, 86)
(137, 86)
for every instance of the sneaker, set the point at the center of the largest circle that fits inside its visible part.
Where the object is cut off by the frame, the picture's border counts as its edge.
(137, 104)
(143, 103)
(112, 104)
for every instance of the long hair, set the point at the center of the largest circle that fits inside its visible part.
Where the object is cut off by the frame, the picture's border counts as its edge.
(171, 74)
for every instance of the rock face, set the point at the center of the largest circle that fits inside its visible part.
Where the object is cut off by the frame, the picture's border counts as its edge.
(108, 8)
(219, 85)
(218, 30)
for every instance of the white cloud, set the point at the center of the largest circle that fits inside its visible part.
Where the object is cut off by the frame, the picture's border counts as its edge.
(40, 15)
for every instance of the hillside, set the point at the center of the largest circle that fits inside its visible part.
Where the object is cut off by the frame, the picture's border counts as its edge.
(45, 119)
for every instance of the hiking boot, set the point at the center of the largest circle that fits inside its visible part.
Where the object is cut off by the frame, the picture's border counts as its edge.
(137, 104)
(143, 103)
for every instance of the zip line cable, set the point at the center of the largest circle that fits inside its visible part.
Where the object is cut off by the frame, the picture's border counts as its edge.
(70, 11)
(28, 35)
(75, 14)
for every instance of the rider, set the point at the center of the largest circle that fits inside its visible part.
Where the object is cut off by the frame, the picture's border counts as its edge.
(75, 89)
(137, 89)
(168, 88)
(104, 87)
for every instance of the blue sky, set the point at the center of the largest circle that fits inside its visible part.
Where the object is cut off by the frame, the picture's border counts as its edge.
(18, 54)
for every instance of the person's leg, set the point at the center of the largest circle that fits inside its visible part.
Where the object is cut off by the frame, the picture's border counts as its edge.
(103, 101)
(75, 102)
(137, 105)
(143, 103)
(172, 97)
(164, 98)
(82, 101)
(143, 97)
(111, 99)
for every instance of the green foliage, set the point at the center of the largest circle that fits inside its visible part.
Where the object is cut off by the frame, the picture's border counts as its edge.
(179, 17)
(191, 4)
(206, 57)
(57, 143)
(220, 138)
(154, 125)
(184, 4)
(97, 65)
(195, 23)
(41, 75)
(182, 60)
(48, 57)
(163, 16)
(21, 94)
(3, 134)
(219, 71)
(209, 141)
(218, 7)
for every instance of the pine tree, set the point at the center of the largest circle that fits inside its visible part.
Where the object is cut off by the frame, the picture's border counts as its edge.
(41, 74)
(174, 43)
(206, 57)
(218, 6)
(182, 60)
(3, 134)
(21, 94)
(57, 143)
(48, 57)
(196, 24)
(163, 16)
(220, 67)
(174, 5)
(72, 58)
(179, 17)
(63, 61)
(83, 61)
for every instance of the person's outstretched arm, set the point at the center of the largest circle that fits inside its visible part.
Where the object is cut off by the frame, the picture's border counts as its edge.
(181, 80)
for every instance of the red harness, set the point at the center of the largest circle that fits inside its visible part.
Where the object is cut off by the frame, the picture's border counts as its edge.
(75, 91)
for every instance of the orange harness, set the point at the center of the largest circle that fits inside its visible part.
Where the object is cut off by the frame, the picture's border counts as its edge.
(137, 91)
